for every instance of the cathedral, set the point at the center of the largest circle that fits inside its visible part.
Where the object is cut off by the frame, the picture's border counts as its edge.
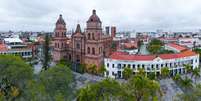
(83, 47)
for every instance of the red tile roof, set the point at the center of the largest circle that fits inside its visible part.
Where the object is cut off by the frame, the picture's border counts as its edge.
(178, 55)
(126, 56)
(178, 47)
(130, 45)
(3, 47)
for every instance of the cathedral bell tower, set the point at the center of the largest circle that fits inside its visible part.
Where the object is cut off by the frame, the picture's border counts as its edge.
(94, 45)
(59, 40)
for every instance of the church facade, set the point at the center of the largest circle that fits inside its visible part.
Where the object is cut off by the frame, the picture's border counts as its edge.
(87, 47)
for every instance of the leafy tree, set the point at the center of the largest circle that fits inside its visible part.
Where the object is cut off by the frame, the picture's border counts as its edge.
(139, 43)
(154, 46)
(56, 80)
(197, 50)
(152, 76)
(188, 68)
(195, 73)
(14, 75)
(194, 95)
(165, 72)
(140, 88)
(141, 72)
(82, 68)
(92, 69)
(102, 70)
(177, 78)
(105, 90)
(46, 57)
(127, 73)
(186, 83)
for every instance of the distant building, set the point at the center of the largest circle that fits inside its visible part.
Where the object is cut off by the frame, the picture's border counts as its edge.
(107, 30)
(15, 46)
(88, 47)
(175, 62)
(113, 31)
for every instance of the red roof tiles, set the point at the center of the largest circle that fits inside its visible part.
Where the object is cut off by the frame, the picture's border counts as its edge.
(126, 56)
(3, 47)
(178, 47)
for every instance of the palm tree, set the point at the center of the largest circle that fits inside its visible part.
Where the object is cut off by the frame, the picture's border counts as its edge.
(186, 83)
(46, 48)
(165, 72)
(92, 69)
(127, 73)
(188, 68)
(195, 73)
(102, 70)
(85, 94)
(177, 78)
(140, 88)
(141, 72)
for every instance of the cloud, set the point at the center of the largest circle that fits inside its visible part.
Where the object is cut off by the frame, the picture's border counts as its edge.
(139, 15)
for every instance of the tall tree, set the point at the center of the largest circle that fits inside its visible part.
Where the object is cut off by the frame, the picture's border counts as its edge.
(186, 84)
(154, 46)
(140, 88)
(58, 79)
(102, 70)
(14, 75)
(194, 95)
(46, 48)
(92, 69)
(195, 73)
(106, 90)
(188, 68)
(127, 73)
(165, 72)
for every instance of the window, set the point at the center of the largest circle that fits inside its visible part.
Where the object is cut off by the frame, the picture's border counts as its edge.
(89, 36)
(78, 46)
(69, 57)
(112, 65)
(55, 45)
(93, 38)
(107, 64)
(113, 74)
(129, 66)
(88, 50)
(133, 66)
(93, 51)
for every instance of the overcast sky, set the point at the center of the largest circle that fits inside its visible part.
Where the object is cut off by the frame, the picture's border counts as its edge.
(139, 15)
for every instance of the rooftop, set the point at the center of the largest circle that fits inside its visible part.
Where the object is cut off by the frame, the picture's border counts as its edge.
(126, 56)
(177, 47)
(11, 40)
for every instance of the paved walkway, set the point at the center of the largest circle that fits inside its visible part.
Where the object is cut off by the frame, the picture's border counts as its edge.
(169, 89)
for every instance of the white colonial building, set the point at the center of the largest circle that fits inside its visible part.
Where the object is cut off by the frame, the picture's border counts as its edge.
(15, 46)
(116, 63)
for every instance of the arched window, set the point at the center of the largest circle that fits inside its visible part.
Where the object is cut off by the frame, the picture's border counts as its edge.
(93, 37)
(93, 51)
(89, 36)
(78, 46)
(55, 45)
(88, 50)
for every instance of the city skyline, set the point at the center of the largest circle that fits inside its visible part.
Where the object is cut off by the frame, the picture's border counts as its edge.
(171, 15)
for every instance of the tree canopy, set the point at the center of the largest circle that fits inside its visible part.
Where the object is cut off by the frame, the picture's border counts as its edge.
(18, 83)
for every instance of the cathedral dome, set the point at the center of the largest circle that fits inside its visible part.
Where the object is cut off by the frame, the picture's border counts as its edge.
(61, 20)
(94, 17)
